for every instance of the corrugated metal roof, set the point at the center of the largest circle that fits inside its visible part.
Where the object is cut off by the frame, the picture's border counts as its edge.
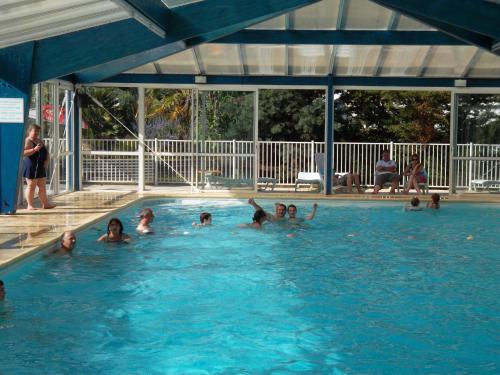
(26, 20)
(340, 60)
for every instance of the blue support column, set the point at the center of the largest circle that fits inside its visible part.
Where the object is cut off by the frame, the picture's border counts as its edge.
(15, 83)
(329, 136)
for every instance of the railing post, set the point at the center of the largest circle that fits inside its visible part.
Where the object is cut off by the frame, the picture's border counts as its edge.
(391, 150)
(156, 162)
(234, 159)
(140, 148)
(471, 177)
(311, 158)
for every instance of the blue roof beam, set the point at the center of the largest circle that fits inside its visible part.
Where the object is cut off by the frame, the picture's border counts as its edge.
(103, 51)
(473, 21)
(375, 82)
(151, 13)
(336, 37)
(192, 25)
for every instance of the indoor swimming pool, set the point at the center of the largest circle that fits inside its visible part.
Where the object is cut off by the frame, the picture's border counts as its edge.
(364, 287)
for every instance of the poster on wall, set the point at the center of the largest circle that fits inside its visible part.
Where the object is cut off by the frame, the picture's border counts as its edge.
(12, 110)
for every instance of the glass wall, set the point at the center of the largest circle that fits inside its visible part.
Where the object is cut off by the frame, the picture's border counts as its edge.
(478, 142)
(109, 145)
(51, 107)
(224, 141)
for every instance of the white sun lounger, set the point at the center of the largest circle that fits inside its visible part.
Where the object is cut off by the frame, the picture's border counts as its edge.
(485, 184)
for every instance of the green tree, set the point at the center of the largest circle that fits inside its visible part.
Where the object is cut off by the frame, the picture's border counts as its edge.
(291, 115)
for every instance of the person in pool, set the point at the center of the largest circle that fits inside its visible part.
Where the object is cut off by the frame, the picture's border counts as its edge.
(2, 290)
(414, 205)
(115, 232)
(434, 202)
(205, 220)
(67, 243)
(279, 208)
(259, 217)
(292, 212)
(147, 218)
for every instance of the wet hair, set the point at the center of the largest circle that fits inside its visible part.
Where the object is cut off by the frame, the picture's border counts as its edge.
(435, 199)
(258, 216)
(1, 283)
(33, 127)
(291, 205)
(281, 205)
(415, 202)
(145, 211)
(117, 221)
(205, 216)
(414, 156)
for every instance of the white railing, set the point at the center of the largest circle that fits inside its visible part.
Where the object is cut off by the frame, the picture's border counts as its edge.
(178, 161)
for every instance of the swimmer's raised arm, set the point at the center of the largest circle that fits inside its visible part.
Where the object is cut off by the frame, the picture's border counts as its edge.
(254, 204)
(311, 215)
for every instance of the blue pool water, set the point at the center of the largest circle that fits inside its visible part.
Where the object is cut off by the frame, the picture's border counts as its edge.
(364, 288)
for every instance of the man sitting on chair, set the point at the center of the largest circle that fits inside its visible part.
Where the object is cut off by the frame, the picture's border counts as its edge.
(385, 171)
(347, 180)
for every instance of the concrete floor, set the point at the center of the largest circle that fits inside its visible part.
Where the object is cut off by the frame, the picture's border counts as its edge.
(27, 232)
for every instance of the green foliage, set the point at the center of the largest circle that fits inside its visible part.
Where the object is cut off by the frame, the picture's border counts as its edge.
(168, 113)
(479, 118)
(398, 116)
(291, 115)
(121, 102)
(226, 115)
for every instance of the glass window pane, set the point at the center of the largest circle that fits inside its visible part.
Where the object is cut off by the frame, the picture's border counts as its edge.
(322, 15)
(402, 60)
(220, 58)
(277, 23)
(449, 61)
(310, 59)
(180, 63)
(406, 23)
(365, 15)
(265, 59)
(488, 65)
(355, 60)
(144, 69)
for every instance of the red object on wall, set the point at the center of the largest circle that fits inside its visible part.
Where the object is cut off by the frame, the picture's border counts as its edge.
(48, 114)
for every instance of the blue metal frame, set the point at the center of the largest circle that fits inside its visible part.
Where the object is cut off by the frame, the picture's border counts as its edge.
(350, 37)
(473, 21)
(192, 25)
(99, 52)
(154, 10)
(188, 79)
(15, 82)
(329, 135)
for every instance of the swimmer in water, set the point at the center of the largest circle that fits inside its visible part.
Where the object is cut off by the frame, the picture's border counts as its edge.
(279, 208)
(115, 232)
(147, 218)
(67, 243)
(434, 202)
(292, 212)
(414, 205)
(205, 220)
(259, 217)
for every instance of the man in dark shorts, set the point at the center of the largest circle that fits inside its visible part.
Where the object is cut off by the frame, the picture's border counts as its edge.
(385, 171)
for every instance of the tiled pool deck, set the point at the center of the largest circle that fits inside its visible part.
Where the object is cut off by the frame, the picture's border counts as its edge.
(27, 232)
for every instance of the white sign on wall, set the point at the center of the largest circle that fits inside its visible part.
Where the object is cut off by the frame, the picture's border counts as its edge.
(12, 110)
